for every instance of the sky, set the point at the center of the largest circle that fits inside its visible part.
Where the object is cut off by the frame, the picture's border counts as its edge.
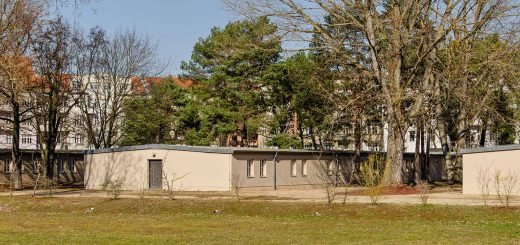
(175, 25)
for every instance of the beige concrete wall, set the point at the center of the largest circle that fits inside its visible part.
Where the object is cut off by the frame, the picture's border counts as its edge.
(199, 171)
(489, 162)
(316, 170)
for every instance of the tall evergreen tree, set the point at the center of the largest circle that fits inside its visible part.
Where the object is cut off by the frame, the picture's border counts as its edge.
(229, 66)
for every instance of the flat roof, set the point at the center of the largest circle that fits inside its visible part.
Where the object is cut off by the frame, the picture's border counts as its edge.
(59, 151)
(490, 149)
(223, 150)
(206, 149)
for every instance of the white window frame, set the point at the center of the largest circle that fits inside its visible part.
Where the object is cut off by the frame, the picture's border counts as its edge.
(304, 168)
(8, 139)
(263, 168)
(294, 171)
(250, 169)
(26, 139)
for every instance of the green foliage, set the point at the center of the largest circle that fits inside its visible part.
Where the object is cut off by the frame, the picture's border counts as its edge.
(229, 66)
(156, 118)
(297, 95)
(504, 125)
(478, 76)
(284, 141)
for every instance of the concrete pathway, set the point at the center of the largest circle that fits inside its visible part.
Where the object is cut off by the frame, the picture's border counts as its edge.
(439, 197)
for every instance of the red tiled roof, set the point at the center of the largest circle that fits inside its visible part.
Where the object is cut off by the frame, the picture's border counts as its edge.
(141, 85)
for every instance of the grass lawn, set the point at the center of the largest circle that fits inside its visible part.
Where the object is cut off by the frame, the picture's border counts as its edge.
(26, 220)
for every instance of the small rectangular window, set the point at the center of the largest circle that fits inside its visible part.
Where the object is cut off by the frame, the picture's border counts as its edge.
(26, 139)
(61, 167)
(330, 168)
(263, 168)
(35, 166)
(72, 166)
(78, 138)
(304, 167)
(412, 135)
(293, 168)
(250, 168)
(8, 166)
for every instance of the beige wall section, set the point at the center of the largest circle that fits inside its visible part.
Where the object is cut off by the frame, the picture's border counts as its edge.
(505, 161)
(201, 171)
(315, 170)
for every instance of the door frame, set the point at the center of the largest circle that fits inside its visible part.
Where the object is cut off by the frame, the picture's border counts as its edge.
(149, 173)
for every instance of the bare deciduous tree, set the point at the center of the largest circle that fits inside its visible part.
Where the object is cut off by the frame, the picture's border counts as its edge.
(53, 96)
(18, 19)
(399, 40)
(116, 63)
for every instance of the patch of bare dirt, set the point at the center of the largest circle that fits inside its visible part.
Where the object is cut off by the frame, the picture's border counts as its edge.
(6, 209)
(390, 190)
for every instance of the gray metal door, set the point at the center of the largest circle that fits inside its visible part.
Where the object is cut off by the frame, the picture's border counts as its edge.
(155, 174)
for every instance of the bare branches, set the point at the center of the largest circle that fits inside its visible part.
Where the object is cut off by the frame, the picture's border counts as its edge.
(398, 45)
(115, 65)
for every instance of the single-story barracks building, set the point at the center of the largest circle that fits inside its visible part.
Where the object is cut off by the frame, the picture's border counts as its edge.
(197, 168)
(481, 166)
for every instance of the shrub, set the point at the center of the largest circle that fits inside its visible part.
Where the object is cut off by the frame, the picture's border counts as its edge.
(172, 188)
(505, 186)
(424, 191)
(49, 185)
(484, 182)
(113, 188)
(372, 174)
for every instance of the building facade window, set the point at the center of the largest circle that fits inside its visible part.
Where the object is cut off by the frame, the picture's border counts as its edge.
(72, 166)
(76, 85)
(26, 122)
(78, 139)
(9, 139)
(263, 168)
(61, 166)
(293, 168)
(330, 168)
(35, 166)
(8, 166)
(412, 135)
(26, 139)
(77, 120)
(250, 169)
(304, 167)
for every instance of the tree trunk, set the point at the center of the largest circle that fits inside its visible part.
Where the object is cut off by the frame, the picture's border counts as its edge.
(16, 152)
(394, 161)
(357, 147)
(483, 133)
(300, 134)
(417, 155)
(423, 155)
(426, 171)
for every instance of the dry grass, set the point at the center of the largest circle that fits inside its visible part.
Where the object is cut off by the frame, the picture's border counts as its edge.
(69, 220)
